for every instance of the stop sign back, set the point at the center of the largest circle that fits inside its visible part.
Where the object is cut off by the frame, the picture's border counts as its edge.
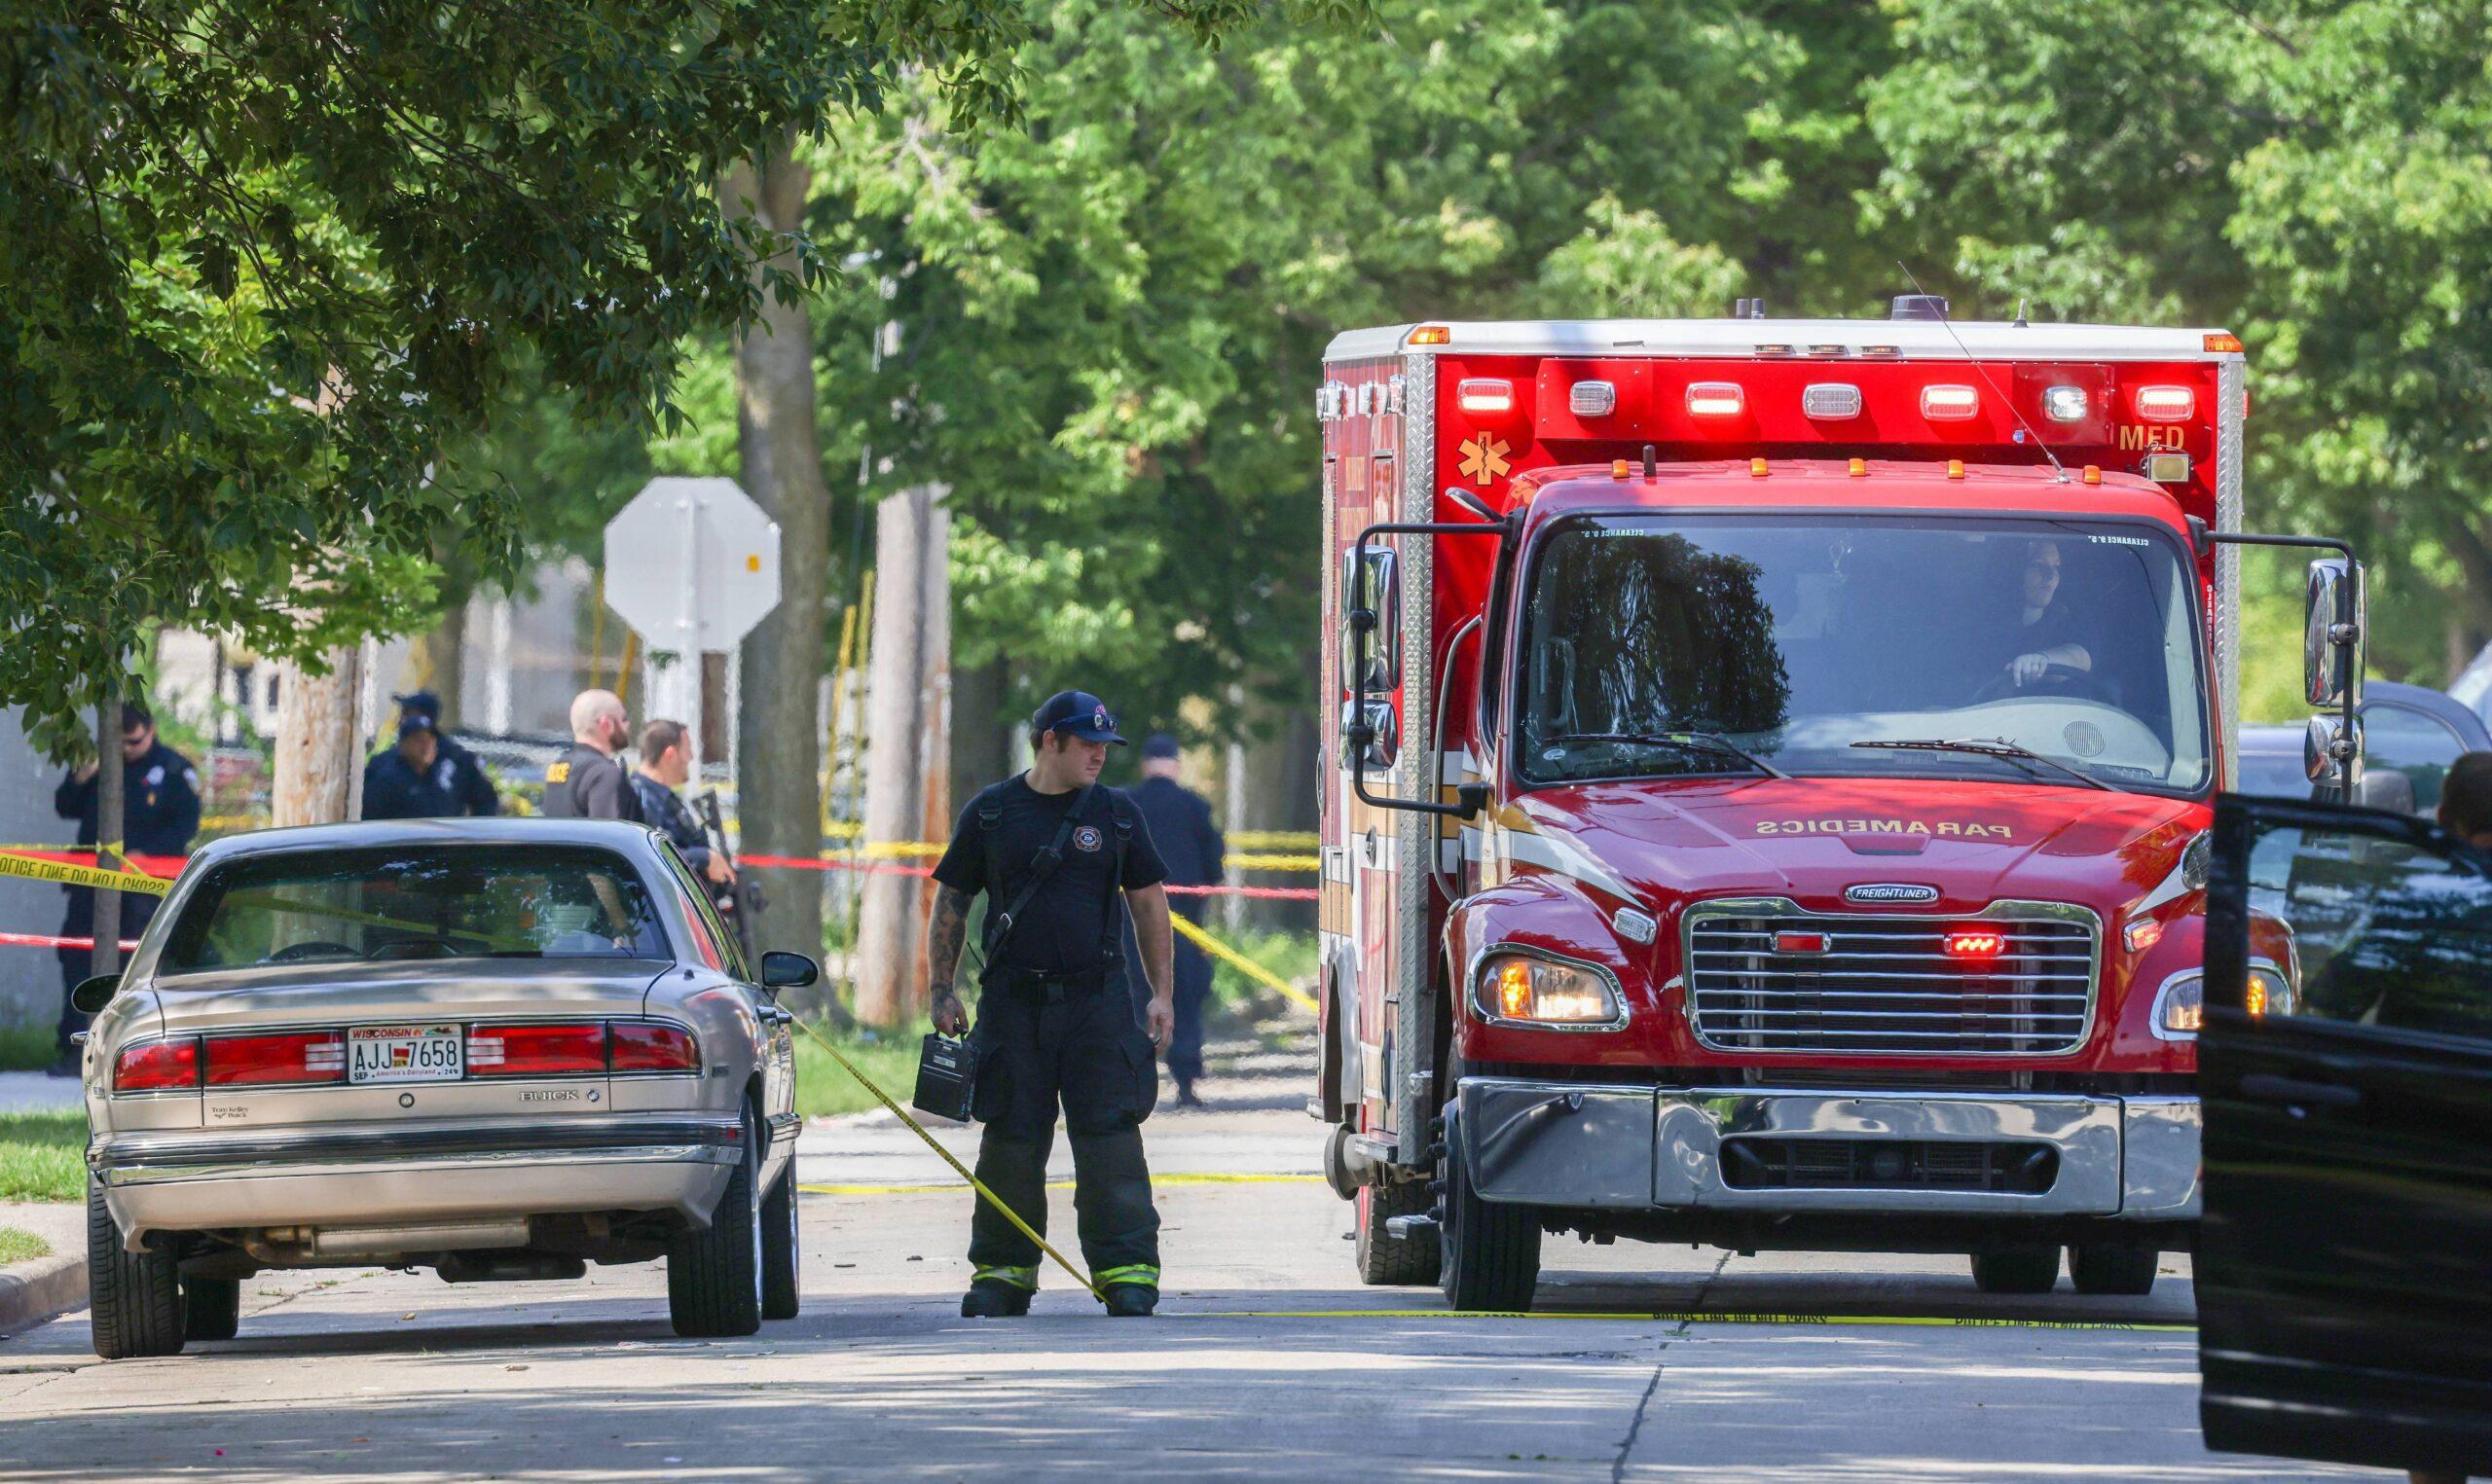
(692, 563)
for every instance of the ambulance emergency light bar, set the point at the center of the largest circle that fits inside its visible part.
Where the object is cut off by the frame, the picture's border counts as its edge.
(1593, 397)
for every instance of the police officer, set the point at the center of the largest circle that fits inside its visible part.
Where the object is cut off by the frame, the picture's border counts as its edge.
(1051, 850)
(426, 775)
(666, 762)
(1190, 846)
(160, 813)
(586, 783)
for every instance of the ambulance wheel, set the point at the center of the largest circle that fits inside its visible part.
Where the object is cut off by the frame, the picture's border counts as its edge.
(1492, 1252)
(1387, 1261)
(134, 1299)
(2112, 1270)
(713, 1276)
(2034, 1268)
(211, 1308)
(781, 1235)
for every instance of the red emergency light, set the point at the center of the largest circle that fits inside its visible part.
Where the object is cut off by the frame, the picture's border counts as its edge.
(1950, 403)
(1972, 943)
(1799, 942)
(2166, 403)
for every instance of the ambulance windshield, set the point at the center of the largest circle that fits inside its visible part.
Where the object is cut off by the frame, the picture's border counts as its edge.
(1792, 639)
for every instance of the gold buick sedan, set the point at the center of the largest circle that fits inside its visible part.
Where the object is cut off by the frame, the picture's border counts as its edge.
(501, 1049)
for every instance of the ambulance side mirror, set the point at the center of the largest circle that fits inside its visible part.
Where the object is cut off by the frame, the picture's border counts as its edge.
(2331, 641)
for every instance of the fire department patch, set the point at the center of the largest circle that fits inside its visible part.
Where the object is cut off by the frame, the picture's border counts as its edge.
(1087, 838)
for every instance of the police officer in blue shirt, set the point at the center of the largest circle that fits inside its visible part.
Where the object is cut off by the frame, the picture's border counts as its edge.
(160, 813)
(1060, 860)
(1189, 845)
(426, 775)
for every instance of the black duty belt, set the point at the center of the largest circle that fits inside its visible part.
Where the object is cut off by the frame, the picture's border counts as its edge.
(1052, 986)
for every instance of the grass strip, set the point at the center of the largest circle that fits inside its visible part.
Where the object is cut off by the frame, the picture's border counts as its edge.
(43, 1156)
(21, 1246)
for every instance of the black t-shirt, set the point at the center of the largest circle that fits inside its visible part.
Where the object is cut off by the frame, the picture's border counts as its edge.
(2057, 624)
(1074, 922)
(585, 783)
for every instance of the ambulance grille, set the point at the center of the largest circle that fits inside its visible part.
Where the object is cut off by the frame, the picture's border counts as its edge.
(1765, 976)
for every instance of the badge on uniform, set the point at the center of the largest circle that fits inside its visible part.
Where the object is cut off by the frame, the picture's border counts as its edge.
(947, 1077)
(1087, 838)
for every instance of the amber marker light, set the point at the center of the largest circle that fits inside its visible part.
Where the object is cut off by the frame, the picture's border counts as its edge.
(1514, 989)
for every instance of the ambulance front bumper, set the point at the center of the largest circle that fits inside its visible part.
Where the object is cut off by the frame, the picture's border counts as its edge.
(1813, 1149)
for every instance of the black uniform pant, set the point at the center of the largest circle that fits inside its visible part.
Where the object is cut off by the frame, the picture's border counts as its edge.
(138, 910)
(1073, 1044)
(1194, 987)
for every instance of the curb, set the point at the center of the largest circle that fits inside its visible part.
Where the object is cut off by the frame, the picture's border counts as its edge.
(32, 1292)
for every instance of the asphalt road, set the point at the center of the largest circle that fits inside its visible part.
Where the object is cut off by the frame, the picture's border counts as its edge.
(1249, 1370)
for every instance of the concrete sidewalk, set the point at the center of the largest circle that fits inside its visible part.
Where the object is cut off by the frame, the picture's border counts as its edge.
(32, 1092)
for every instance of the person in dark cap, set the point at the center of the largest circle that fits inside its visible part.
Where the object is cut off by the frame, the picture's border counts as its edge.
(1189, 845)
(427, 775)
(160, 813)
(1061, 860)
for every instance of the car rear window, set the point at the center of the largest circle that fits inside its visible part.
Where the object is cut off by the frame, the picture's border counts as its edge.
(467, 901)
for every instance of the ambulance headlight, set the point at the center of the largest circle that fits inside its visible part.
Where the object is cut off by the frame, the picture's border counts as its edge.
(1543, 989)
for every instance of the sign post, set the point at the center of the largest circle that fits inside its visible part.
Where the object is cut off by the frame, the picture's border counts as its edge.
(693, 564)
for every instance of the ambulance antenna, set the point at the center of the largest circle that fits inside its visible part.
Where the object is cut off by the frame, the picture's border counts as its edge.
(1983, 372)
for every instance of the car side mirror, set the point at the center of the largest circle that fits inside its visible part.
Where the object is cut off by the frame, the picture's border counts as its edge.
(92, 994)
(784, 970)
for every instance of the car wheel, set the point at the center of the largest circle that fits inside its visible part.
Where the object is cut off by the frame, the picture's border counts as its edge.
(1384, 1260)
(781, 1237)
(713, 1276)
(211, 1308)
(1491, 1258)
(134, 1299)
(2032, 1268)
(2112, 1270)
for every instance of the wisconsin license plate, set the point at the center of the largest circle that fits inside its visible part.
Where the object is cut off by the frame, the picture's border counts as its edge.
(405, 1054)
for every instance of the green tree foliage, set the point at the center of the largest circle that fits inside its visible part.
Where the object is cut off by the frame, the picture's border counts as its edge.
(265, 263)
(2314, 175)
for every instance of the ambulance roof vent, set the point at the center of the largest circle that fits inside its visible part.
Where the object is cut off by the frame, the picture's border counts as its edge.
(1918, 307)
(1747, 308)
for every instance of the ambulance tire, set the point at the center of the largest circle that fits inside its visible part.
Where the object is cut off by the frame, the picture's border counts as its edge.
(713, 1276)
(1491, 1260)
(1386, 1260)
(2127, 1271)
(781, 1236)
(134, 1299)
(2033, 1268)
(211, 1308)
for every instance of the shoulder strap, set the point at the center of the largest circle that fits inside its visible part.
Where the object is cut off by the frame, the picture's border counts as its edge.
(1041, 866)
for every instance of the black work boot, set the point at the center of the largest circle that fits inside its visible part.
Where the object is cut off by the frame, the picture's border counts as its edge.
(988, 1299)
(1132, 1301)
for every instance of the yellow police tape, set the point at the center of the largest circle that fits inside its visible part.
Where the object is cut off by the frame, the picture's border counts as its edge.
(67, 875)
(1897, 1320)
(976, 1185)
(1243, 964)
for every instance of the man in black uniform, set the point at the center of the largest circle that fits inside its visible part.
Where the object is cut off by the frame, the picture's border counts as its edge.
(2046, 631)
(160, 813)
(666, 764)
(586, 783)
(1051, 849)
(1190, 846)
(426, 775)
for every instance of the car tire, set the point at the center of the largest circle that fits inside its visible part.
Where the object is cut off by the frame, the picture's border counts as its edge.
(211, 1308)
(713, 1276)
(1492, 1252)
(1384, 1260)
(2126, 1270)
(2028, 1268)
(781, 1240)
(134, 1299)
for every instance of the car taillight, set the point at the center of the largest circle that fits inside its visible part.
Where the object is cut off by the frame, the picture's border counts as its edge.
(1948, 404)
(2166, 403)
(292, 1057)
(158, 1066)
(535, 1051)
(639, 1046)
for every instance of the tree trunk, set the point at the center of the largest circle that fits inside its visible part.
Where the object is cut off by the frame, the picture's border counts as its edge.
(779, 792)
(436, 661)
(906, 694)
(111, 812)
(981, 735)
(317, 742)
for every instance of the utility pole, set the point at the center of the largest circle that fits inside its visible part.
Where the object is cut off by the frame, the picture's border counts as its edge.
(906, 726)
(318, 741)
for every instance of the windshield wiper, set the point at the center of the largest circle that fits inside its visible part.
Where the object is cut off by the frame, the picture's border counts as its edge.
(1689, 741)
(2004, 749)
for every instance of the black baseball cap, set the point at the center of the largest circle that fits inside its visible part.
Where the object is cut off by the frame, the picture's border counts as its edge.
(1160, 744)
(1076, 713)
(424, 703)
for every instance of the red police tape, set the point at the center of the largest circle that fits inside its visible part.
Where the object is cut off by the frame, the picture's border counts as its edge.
(46, 940)
(894, 868)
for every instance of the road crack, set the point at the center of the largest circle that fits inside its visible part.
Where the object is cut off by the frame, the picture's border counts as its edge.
(1644, 1403)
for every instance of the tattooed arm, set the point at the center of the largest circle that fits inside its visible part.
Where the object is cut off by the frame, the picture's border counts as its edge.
(943, 932)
